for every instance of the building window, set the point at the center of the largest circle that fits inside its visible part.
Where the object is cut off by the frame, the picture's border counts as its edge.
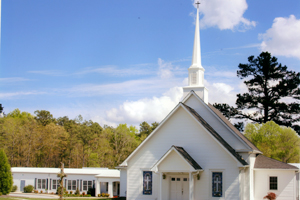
(72, 184)
(84, 185)
(147, 182)
(87, 185)
(273, 183)
(69, 184)
(55, 184)
(41, 183)
(217, 184)
(90, 184)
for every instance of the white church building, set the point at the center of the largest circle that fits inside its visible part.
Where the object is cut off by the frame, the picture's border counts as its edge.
(197, 154)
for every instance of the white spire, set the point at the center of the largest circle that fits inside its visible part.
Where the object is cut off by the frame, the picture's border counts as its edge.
(196, 61)
(196, 71)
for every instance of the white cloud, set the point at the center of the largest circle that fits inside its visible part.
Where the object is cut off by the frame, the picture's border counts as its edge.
(146, 109)
(12, 80)
(48, 72)
(283, 38)
(9, 95)
(225, 14)
(221, 93)
(164, 79)
(165, 69)
(112, 70)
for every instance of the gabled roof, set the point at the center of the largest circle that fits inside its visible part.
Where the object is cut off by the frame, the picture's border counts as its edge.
(229, 124)
(216, 135)
(263, 162)
(189, 160)
(223, 119)
(203, 123)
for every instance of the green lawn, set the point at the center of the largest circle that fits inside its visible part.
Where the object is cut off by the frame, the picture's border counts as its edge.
(68, 198)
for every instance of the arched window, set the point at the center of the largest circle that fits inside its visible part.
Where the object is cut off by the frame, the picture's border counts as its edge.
(217, 184)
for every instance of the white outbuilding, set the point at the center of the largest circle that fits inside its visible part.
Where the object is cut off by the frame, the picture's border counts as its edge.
(103, 180)
(197, 154)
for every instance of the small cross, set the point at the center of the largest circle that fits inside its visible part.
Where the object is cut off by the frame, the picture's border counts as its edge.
(198, 3)
(147, 182)
(217, 183)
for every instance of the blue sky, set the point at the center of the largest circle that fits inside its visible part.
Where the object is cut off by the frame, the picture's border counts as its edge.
(126, 61)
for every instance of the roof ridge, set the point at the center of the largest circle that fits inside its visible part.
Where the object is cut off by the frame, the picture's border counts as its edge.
(216, 135)
(232, 127)
(259, 163)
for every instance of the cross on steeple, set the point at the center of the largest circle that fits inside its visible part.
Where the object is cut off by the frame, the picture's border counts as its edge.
(198, 3)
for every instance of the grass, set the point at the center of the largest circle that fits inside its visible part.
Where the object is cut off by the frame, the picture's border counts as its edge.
(68, 198)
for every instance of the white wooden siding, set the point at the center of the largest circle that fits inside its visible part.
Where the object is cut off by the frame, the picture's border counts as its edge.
(212, 120)
(286, 184)
(182, 130)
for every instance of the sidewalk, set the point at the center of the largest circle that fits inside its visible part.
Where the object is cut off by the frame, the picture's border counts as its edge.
(33, 195)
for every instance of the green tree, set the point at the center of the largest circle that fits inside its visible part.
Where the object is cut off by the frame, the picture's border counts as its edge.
(278, 142)
(6, 179)
(44, 117)
(273, 93)
(268, 84)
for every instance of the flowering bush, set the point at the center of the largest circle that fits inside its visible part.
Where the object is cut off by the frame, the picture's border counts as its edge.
(271, 196)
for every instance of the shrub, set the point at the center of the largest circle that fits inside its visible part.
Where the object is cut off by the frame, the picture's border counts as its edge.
(83, 193)
(105, 194)
(35, 191)
(91, 191)
(77, 192)
(270, 196)
(28, 189)
(6, 179)
(0, 194)
(14, 188)
(59, 189)
(71, 192)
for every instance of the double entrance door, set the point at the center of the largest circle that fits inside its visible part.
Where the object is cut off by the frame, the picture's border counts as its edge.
(179, 188)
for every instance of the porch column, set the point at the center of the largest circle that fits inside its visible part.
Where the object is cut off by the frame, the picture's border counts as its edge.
(97, 188)
(110, 189)
(160, 186)
(191, 188)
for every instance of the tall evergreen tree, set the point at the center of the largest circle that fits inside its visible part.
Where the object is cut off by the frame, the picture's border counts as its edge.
(6, 179)
(273, 92)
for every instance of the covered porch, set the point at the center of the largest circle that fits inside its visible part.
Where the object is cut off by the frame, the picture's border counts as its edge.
(177, 172)
(108, 183)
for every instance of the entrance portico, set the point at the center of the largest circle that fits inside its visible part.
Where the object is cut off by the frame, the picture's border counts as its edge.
(177, 171)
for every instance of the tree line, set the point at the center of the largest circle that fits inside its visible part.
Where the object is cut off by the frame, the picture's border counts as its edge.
(43, 141)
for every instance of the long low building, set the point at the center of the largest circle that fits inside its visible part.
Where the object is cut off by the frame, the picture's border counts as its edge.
(104, 180)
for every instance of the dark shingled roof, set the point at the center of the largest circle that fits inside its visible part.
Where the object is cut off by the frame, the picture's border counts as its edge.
(228, 123)
(215, 134)
(188, 158)
(263, 162)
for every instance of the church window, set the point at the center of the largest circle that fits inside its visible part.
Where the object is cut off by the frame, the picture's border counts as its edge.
(194, 78)
(217, 188)
(273, 183)
(147, 183)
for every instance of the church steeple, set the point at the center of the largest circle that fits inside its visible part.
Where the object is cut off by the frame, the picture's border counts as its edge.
(196, 71)
(196, 61)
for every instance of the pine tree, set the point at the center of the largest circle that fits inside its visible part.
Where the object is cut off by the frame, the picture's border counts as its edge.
(6, 179)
